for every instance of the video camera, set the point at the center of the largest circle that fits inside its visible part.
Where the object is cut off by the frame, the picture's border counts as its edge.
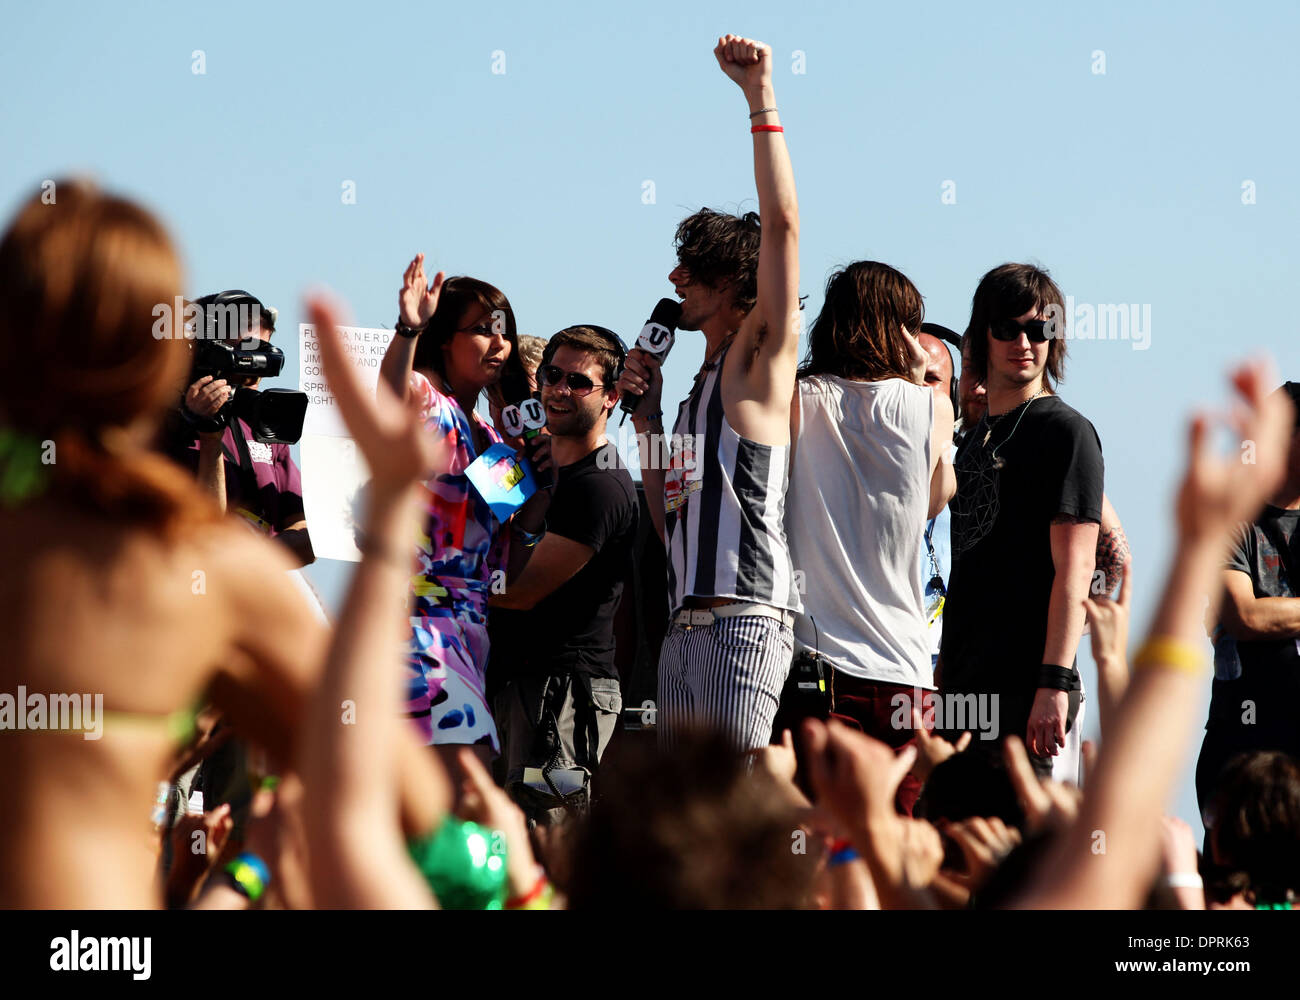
(225, 345)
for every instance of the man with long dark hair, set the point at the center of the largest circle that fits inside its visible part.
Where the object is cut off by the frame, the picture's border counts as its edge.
(719, 506)
(1024, 524)
(870, 441)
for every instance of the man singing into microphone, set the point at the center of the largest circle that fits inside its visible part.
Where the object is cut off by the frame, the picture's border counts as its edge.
(720, 505)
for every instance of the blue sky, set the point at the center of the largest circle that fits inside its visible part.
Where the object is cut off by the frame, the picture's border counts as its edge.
(1127, 184)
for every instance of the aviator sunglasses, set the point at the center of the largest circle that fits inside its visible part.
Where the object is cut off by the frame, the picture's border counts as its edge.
(578, 383)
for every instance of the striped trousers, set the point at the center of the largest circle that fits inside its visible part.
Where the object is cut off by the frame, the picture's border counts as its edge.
(726, 677)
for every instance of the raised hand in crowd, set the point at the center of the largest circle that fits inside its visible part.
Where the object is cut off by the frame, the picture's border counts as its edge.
(1180, 864)
(984, 844)
(1048, 805)
(197, 841)
(366, 779)
(1146, 748)
(855, 779)
(1108, 619)
(485, 803)
(932, 749)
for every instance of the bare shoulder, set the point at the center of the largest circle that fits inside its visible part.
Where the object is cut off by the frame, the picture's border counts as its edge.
(238, 562)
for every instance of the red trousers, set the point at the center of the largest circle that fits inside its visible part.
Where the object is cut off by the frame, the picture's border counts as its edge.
(884, 712)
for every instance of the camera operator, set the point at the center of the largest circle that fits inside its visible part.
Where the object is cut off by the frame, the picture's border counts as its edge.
(257, 480)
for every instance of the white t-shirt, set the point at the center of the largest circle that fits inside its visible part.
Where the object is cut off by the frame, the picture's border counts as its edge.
(856, 511)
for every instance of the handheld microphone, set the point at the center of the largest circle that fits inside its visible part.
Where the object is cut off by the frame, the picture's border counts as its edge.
(524, 417)
(657, 339)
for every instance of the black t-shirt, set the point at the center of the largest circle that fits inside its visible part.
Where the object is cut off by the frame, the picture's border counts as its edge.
(1014, 475)
(1264, 672)
(572, 628)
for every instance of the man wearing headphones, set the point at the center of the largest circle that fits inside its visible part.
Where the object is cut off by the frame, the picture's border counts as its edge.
(258, 481)
(552, 658)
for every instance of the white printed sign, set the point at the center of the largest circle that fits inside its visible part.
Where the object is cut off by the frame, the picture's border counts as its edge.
(334, 474)
(365, 345)
(334, 478)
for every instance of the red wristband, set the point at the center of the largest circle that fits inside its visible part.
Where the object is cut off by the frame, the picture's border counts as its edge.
(517, 902)
(765, 128)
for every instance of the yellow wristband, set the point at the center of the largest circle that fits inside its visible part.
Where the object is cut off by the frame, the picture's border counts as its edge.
(1173, 654)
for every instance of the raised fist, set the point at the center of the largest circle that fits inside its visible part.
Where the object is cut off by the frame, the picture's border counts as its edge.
(746, 61)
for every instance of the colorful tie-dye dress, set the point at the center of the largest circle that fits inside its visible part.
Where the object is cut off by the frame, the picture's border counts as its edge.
(456, 555)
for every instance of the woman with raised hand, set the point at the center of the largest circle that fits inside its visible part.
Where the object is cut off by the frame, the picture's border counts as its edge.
(455, 338)
(352, 774)
(124, 595)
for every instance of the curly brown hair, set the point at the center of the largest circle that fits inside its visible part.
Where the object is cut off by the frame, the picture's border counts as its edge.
(719, 250)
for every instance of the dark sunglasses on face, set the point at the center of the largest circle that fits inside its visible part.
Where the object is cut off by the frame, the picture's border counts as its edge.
(578, 383)
(1009, 329)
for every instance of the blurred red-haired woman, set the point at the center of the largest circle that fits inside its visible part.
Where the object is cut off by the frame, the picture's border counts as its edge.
(124, 593)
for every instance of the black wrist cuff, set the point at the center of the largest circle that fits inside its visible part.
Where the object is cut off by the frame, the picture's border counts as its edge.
(409, 332)
(205, 425)
(1056, 678)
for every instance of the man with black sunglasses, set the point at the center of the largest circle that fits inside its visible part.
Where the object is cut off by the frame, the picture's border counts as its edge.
(552, 653)
(1024, 522)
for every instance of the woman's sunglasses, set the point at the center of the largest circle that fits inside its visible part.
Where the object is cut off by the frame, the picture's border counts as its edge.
(1009, 329)
(578, 383)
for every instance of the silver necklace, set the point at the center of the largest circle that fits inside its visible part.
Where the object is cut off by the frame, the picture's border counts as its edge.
(999, 463)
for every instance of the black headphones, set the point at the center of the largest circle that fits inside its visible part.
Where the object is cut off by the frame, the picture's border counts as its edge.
(614, 341)
(214, 306)
(952, 340)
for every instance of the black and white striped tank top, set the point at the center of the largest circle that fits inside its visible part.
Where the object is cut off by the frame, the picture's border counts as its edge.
(724, 503)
